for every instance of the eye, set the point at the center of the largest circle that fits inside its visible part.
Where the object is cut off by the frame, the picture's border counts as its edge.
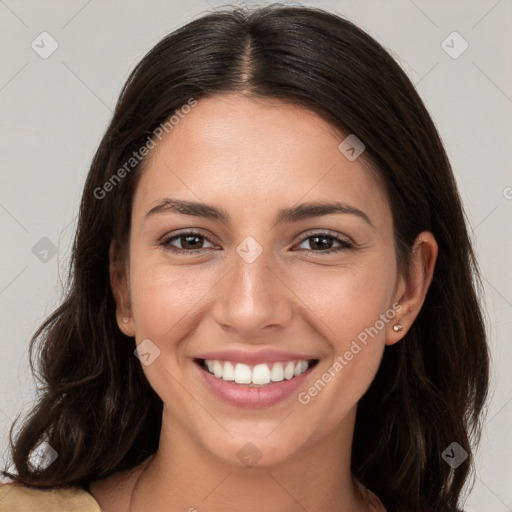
(322, 242)
(190, 241)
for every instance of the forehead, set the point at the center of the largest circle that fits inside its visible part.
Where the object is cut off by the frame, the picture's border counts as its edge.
(234, 151)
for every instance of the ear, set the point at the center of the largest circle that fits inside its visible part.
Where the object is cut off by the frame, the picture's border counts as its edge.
(412, 288)
(119, 282)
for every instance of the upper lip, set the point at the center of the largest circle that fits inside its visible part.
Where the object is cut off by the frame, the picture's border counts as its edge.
(252, 358)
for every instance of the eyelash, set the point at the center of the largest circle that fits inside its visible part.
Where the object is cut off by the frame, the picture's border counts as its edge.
(344, 244)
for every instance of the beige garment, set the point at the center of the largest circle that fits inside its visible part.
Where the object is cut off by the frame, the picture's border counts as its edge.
(21, 498)
(15, 497)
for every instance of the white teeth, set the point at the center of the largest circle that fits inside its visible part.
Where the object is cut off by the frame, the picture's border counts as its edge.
(229, 371)
(259, 375)
(289, 371)
(277, 373)
(242, 373)
(217, 369)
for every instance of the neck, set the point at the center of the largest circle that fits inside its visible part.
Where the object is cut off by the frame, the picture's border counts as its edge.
(184, 476)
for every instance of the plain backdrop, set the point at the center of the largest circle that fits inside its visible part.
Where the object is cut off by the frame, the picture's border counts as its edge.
(54, 111)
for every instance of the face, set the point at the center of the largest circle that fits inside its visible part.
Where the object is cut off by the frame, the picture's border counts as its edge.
(259, 291)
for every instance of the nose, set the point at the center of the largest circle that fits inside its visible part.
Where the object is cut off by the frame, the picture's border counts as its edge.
(254, 297)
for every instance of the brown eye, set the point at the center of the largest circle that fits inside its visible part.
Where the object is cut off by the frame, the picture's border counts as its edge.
(326, 243)
(190, 242)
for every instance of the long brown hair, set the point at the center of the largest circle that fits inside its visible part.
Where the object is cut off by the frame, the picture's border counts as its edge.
(96, 408)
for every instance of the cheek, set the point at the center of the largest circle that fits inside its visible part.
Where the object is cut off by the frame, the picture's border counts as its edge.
(351, 310)
(343, 302)
(166, 303)
(164, 299)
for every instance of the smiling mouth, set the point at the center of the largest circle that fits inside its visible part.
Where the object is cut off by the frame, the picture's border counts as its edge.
(259, 375)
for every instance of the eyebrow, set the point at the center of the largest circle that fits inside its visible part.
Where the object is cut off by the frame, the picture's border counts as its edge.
(290, 214)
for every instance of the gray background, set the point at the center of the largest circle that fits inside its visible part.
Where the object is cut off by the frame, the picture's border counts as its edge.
(55, 110)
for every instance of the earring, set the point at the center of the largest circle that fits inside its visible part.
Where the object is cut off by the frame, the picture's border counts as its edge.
(125, 319)
(398, 327)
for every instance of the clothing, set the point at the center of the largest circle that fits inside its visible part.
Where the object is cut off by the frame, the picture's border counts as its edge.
(15, 497)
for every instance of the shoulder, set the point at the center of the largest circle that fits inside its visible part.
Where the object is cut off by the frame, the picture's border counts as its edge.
(15, 497)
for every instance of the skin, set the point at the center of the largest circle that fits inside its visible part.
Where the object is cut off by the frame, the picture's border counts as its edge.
(253, 158)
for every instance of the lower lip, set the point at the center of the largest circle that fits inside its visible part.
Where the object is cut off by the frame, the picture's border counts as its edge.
(242, 395)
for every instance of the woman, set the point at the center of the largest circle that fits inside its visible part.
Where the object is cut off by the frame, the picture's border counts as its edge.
(273, 298)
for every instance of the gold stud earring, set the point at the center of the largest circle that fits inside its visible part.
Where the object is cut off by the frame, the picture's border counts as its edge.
(398, 327)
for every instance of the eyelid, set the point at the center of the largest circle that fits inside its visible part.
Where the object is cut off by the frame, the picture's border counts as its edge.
(165, 240)
(343, 241)
(326, 232)
(184, 231)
